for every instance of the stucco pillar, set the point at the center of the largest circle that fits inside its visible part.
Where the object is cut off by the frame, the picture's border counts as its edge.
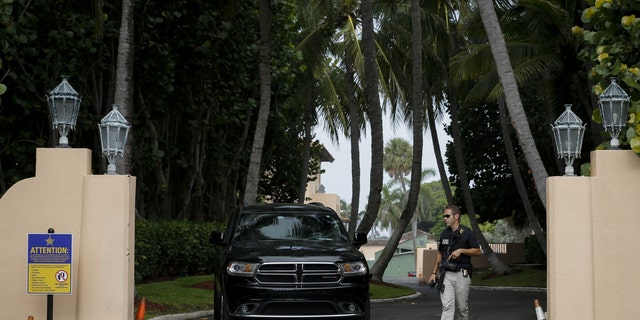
(569, 248)
(592, 238)
(106, 267)
(97, 210)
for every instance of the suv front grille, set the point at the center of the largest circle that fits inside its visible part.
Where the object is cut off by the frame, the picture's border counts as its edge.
(299, 275)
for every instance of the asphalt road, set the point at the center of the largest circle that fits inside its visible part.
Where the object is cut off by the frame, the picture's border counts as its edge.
(488, 303)
(484, 304)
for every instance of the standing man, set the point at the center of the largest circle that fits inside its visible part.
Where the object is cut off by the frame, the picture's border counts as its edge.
(456, 246)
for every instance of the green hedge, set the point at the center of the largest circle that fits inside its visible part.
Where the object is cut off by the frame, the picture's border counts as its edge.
(175, 248)
(533, 251)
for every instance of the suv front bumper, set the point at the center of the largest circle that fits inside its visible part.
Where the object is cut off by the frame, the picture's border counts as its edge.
(346, 301)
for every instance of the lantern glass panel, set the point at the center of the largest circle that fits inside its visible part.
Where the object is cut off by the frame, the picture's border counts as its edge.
(614, 106)
(64, 105)
(568, 132)
(112, 138)
(64, 110)
(114, 129)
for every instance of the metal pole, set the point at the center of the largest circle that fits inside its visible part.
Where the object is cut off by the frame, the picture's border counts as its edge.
(50, 296)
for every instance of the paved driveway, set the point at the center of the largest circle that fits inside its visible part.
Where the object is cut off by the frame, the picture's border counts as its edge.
(488, 303)
(484, 304)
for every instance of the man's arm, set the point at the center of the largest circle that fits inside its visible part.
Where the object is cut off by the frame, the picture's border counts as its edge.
(472, 252)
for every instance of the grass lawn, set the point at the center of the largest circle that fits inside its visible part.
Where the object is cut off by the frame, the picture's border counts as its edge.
(180, 295)
(190, 294)
(520, 277)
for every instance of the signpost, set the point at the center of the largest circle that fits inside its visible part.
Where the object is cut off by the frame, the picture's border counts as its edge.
(49, 265)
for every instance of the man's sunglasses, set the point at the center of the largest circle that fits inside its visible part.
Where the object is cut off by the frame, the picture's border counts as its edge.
(447, 216)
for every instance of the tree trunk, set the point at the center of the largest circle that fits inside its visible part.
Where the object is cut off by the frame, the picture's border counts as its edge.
(304, 171)
(377, 271)
(438, 154)
(124, 80)
(255, 162)
(374, 111)
(497, 265)
(522, 190)
(161, 195)
(354, 134)
(512, 95)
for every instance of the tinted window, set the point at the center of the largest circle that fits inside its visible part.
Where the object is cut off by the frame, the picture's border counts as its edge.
(289, 226)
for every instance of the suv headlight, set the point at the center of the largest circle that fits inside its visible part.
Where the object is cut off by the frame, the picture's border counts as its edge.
(354, 268)
(238, 268)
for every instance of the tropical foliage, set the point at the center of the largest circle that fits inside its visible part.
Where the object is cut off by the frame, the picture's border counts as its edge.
(195, 97)
(612, 36)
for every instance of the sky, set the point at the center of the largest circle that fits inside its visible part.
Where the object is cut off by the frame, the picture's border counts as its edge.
(337, 176)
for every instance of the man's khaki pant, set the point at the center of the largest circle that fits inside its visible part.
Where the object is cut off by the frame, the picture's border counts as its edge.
(455, 297)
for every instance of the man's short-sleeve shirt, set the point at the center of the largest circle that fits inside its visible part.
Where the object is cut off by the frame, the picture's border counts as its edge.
(461, 238)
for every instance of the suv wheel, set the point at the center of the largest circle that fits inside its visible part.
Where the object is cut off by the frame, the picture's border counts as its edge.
(367, 312)
(220, 311)
(224, 309)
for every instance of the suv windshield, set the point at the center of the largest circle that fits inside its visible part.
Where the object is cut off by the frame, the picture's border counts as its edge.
(289, 226)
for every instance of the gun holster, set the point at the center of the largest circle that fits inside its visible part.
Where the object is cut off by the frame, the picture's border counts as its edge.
(449, 266)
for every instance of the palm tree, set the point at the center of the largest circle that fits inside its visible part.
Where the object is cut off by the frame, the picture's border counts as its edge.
(253, 173)
(374, 111)
(394, 199)
(539, 43)
(354, 130)
(396, 34)
(440, 12)
(417, 113)
(426, 200)
(390, 207)
(397, 160)
(397, 163)
(124, 77)
(330, 31)
(512, 96)
(498, 266)
(522, 191)
(308, 119)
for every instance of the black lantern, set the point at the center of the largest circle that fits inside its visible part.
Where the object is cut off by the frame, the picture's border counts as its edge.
(568, 132)
(64, 105)
(614, 106)
(114, 130)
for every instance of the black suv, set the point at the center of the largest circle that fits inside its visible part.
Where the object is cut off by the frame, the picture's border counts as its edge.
(288, 261)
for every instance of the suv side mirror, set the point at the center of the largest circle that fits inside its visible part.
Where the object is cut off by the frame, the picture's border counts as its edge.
(359, 239)
(216, 238)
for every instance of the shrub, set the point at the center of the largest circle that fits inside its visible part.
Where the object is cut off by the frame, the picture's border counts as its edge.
(533, 251)
(173, 248)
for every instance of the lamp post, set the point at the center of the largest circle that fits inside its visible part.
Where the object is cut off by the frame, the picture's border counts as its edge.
(614, 105)
(64, 105)
(568, 132)
(114, 130)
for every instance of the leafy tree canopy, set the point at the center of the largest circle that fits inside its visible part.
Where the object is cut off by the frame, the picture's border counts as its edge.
(195, 96)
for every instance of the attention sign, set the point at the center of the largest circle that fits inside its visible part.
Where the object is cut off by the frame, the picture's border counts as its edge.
(49, 263)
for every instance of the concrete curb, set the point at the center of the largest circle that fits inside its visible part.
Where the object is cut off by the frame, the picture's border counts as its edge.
(521, 289)
(183, 316)
(409, 297)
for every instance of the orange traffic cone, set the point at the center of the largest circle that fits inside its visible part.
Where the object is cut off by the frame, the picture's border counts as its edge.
(142, 308)
(539, 312)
